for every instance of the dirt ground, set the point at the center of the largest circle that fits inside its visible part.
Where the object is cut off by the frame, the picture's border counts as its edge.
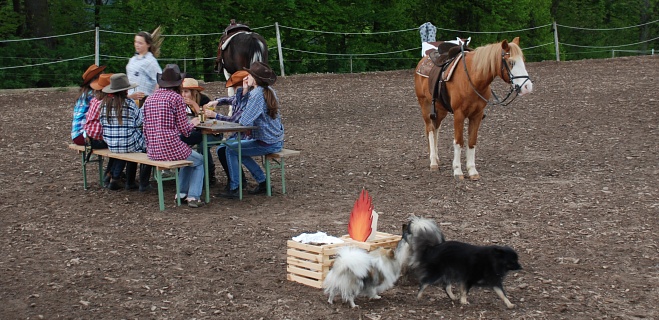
(569, 179)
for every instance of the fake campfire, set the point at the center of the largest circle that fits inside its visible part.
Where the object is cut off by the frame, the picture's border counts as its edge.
(309, 262)
(363, 222)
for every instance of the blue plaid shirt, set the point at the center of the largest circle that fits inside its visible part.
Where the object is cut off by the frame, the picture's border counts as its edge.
(79, 113)
(126, 137)
(256, 114)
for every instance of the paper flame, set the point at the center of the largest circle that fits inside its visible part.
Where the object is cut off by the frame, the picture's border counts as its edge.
(361, 218)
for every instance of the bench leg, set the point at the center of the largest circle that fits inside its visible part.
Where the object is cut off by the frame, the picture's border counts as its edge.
(178, 187)
(283, 176)
(267, 176)
(100, 171)
(84, 171)
(161, 197)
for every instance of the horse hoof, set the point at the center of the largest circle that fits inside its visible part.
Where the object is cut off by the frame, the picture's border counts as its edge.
(434, 167)
(459, 177)
(475, 177)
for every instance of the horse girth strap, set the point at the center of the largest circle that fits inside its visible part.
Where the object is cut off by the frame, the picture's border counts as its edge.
(437, 79)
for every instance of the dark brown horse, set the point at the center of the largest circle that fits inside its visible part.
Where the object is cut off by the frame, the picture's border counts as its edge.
(469, 92)
(239, 47)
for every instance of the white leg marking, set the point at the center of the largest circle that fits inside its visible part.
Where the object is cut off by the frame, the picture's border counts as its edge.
(432, 145)
(450, 292)
(352, 303)
(420, 293)
(471, 163)
(457, 167)
(230, 91)
(503, 297)
(463, 296)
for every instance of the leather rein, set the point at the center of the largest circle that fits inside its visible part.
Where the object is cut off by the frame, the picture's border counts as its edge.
(513, 87)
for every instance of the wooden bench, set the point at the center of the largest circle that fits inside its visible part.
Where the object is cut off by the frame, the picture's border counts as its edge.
(137, 157)
(277, 160)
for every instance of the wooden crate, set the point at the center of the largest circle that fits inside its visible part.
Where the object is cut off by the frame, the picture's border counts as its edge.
(309, 263)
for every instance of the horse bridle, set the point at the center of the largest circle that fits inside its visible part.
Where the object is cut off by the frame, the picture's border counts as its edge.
(513, 87)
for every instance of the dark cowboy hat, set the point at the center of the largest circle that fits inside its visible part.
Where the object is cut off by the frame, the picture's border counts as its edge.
(262, 72)
(170, 77)
(119, 82)
(91, 73)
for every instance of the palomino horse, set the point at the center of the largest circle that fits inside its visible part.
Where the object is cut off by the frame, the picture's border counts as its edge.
(469, 92)
(239, 47)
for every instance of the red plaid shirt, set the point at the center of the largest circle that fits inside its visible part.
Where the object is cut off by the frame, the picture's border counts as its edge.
(164, 122)
(93, 126)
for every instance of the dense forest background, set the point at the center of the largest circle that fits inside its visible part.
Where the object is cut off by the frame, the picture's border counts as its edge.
(335, 36)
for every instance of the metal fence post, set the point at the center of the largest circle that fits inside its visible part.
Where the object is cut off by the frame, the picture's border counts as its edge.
(558, 56)
(97, 49)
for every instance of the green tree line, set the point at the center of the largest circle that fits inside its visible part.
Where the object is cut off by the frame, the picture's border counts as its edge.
(356, 27)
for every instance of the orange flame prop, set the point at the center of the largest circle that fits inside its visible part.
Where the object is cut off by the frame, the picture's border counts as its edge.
(361, 218)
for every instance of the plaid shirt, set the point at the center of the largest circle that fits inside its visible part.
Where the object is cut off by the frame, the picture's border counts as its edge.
(256, 114)
(79, 111)
(238, 103)
(93, 127)
(143, 71)
(164, 122)
(125, 137)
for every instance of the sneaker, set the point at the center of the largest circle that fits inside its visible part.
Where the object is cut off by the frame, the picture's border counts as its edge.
(146, 188)
(262, 188)
(106, 181)
(181, 196)
(195, 203)
(115, 184)
(131, 186)
(230, 194)
(167, 173)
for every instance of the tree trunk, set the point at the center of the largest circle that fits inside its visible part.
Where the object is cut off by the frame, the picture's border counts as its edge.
(645, 18)
(37, 20)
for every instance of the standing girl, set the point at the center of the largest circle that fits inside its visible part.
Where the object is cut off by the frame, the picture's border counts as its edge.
(143, 67)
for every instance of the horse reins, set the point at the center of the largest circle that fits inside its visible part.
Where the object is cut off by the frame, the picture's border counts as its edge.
(513, 87)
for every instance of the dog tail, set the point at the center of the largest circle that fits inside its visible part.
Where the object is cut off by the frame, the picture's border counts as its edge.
(346, 278)
(354, 260)
(422, 234)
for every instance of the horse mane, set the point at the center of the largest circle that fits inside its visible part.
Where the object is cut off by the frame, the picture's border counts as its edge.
(487, 58)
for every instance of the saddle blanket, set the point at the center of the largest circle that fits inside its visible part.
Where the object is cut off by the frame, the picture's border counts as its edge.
(427, 65)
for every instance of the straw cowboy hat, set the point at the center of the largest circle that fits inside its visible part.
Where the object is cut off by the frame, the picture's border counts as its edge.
(91, 72)
(101, 82)
(119, 82)
(170, 77)
(236, 78)
(191, 84)
(261, 71)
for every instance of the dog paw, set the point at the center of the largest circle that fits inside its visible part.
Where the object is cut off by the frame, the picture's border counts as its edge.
(376, 297)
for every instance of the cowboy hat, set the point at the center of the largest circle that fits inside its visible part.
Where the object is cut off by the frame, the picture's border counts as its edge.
(191, 84)
(90, 73)
(262, 72)
(170, 77)
(101, 82)
(119, 82)
(237, 78)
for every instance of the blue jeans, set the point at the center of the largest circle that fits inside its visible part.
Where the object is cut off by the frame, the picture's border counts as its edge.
(192, 177)
(249, 149)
